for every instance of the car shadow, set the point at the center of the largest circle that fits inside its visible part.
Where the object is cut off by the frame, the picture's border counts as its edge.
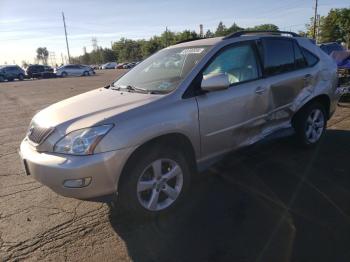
(272, 201)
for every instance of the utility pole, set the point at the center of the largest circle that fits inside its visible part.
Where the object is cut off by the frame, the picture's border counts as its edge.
(318, 28)
(315, 19)
(166, 36)
(65, 32)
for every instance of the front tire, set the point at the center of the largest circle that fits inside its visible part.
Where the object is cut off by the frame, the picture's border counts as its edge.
(64, 74)
(310, 124)
(155, 181)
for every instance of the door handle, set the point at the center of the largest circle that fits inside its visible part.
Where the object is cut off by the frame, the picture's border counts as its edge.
(260, 90)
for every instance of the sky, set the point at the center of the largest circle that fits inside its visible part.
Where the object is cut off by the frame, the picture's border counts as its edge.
(26, 25)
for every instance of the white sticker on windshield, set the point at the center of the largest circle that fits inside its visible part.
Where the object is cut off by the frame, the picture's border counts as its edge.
(192, 51)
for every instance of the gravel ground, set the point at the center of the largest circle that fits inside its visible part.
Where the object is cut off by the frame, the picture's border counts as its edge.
(269, 202)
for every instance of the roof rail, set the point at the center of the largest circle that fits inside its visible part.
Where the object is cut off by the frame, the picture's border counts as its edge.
(271, 32)
(188, 40)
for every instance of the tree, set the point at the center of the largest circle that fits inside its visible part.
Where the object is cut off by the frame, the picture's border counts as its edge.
(265, 27)
(336, 26)
(209, 34)
(42, 55)
(25, 64)
(108, 55)
(233, 29)
(221, 30)
(85, 59)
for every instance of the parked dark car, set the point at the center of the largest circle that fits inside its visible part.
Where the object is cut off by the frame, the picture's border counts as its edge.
(342, 57)
(129, 65)
(11, 72)
(40, 71)
(330, 47)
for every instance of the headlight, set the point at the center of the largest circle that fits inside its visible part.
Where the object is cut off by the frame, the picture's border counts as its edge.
(82, 141)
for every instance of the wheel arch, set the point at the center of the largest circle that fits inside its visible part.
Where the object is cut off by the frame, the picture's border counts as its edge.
(173, 140)
(323, 99)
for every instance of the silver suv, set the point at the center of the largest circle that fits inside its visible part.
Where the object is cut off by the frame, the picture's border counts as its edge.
(177, 112)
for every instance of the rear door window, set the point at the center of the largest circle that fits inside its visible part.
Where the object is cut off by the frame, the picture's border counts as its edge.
(300, 61)
(278, 56)
(311, 59)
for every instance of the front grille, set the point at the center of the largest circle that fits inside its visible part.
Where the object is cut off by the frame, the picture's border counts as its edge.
(38, 134)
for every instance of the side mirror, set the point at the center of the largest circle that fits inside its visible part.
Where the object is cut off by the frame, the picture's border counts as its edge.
(215, 82)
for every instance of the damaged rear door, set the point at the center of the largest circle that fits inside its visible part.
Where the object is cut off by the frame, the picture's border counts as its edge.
(289, 78)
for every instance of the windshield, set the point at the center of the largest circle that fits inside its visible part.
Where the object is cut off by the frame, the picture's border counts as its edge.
(163, 71)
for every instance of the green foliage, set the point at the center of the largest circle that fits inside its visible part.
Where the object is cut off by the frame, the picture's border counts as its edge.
(265, 27)
(334, 27)
(42, 54)
(127, 50)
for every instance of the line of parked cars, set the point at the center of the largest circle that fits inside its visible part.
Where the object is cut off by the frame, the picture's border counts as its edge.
(12, 72)
(115, 65)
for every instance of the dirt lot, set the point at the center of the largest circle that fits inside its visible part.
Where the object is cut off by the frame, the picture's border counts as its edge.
(270, 202)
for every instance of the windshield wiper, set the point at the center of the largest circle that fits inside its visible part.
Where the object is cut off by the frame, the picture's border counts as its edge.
(131, 88)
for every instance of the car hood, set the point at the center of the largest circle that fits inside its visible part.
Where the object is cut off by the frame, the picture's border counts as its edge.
(91, 108)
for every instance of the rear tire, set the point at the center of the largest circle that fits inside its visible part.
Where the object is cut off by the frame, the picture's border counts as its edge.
(64, 74)
(20, 77)
(310, 124)
(86, 73)
(155, 181)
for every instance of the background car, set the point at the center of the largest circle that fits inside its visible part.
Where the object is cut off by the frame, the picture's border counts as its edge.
(120, 66)
(11, 72)
(129, 65)
(39, 71)
(95, 67)
(342, 57)
(74, 70)
(330, 47)
(110, 65)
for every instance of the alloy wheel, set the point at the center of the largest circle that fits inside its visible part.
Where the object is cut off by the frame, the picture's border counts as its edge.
(314, 125)
(160, 184)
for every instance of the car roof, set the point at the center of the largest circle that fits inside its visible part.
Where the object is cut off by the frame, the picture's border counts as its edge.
(8, 66)
(200, 42)
(238, 36)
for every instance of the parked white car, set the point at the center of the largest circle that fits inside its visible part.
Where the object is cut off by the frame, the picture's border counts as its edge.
(74, 70)
(110, 65)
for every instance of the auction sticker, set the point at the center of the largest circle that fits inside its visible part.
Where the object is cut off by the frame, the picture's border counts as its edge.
(192, 51)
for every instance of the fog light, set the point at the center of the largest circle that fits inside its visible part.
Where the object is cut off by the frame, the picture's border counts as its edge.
(76, 183)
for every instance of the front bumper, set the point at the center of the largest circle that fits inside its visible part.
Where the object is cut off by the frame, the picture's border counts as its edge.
(53, 170)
